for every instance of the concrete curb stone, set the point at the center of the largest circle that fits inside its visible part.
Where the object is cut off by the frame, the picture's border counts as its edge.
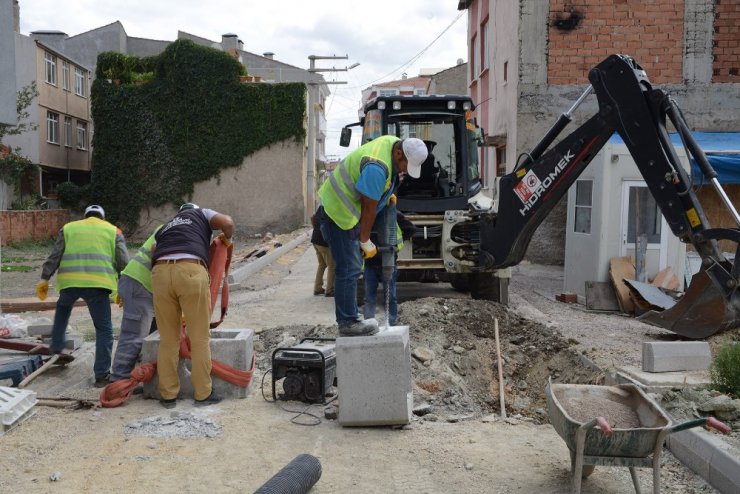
(240, 274)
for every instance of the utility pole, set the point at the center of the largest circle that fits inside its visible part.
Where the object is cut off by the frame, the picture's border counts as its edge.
(313, 112)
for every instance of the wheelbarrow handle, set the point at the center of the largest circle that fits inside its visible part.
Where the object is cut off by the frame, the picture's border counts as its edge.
(704, 421)
(599, 422)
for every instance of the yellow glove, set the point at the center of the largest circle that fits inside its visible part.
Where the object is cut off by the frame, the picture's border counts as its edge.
(391, 199)
(368, 249)
(119, 300)
(42, 289)
(224, 240)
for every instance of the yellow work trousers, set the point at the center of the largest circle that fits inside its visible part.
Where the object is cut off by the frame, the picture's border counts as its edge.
(326, 263)
(182, 289)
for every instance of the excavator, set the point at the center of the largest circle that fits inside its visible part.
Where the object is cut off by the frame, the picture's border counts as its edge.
(479, 243)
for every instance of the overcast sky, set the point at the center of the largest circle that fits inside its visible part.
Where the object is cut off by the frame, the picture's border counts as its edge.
(386, 37)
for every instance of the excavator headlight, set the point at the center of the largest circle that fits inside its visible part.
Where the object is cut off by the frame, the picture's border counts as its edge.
(396, 105)
(467, 106)
(451, 105)
(381, 105)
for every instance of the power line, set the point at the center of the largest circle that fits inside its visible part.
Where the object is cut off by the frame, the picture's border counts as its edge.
(414, 58)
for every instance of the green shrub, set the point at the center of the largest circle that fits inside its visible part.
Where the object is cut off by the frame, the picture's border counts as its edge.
(167, 122)
(73, 196)
(725, 370)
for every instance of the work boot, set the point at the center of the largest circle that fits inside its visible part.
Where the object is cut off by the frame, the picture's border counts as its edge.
(365, 327)
(102, 381)
(168, 403)
(212, 399)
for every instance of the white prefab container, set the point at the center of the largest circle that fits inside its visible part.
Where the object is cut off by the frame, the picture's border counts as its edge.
(601, 220)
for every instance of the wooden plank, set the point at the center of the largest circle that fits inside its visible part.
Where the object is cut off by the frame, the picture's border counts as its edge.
(15, 307)
(666, 279)
(621, 268)
(600, 296)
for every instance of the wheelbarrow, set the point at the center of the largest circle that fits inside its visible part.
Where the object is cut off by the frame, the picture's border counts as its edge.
(613, 426)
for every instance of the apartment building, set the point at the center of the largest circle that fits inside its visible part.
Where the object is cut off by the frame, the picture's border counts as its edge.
(60, 142)
(113, 37)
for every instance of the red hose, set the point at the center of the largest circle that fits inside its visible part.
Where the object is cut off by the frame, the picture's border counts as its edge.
(115, 394)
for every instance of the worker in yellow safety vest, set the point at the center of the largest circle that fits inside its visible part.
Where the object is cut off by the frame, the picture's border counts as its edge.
(87, 256)
(360, 187)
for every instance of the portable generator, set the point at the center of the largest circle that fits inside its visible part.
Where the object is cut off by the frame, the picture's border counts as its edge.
(308, 370)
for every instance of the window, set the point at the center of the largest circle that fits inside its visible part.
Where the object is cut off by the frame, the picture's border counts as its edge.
(484, 46)
(643, 215)
(420, 92)
(65, 76)
(79, 82)
(474, 58)
(68, 132)
(50, 68)
(387, 92)
(81, 135)
(500, 161)
(506, 71)
(584, 202)
(52, 127)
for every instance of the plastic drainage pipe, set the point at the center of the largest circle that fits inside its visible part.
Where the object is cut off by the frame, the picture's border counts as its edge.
(297, 477)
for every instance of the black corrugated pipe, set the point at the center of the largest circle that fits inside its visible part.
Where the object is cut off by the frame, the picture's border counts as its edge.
(297, 477)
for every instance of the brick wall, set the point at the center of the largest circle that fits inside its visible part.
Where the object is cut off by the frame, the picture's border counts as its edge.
(651, 31)
(19, 226)
(726, 48)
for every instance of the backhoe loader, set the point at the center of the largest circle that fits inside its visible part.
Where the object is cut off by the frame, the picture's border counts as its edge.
(477, 243)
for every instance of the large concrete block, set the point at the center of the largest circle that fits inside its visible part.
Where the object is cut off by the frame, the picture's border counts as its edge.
(234, 347)
(374, 378)
(668, 356)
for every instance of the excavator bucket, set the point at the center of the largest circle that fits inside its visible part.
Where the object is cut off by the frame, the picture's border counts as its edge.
(702, 311)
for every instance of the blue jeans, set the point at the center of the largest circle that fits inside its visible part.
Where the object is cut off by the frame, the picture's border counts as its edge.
(98, 303)
(345, 249)
(373, 276)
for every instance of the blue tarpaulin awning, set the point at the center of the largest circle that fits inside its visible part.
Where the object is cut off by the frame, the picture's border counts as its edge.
(722, 150)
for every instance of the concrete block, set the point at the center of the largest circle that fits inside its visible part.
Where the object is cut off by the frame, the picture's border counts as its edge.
(40, 329)
(374, 378)
(72, 341)
(16, 405)
(234, 347)
(669, 356)
(708, 455)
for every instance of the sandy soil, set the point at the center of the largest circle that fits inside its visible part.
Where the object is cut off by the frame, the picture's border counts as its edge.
(458, 445)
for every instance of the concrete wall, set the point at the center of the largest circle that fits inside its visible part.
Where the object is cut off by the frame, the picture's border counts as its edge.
(7, 64)
(451, 81)
(18, 226)
(267, 192)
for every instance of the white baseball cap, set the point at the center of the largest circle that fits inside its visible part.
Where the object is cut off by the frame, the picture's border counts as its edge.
(94, 208)
(416, 152)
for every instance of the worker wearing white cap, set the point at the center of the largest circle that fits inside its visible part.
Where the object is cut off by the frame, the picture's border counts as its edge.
(360, 187)
(88, 254)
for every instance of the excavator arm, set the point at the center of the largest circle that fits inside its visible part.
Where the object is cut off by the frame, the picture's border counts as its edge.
(629, 106)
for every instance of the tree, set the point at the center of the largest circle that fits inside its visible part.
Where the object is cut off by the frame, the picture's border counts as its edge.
(13, 165)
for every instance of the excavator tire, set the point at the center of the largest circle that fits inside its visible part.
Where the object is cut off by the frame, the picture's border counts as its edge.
(460, 282)
(486, 286)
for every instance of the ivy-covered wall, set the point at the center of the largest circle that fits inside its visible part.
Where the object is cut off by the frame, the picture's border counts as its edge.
(165, 123)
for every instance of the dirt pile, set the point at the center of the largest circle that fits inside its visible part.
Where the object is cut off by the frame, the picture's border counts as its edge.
(454, 365)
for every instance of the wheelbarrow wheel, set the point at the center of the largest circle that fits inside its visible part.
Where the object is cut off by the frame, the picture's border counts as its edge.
(587, 469)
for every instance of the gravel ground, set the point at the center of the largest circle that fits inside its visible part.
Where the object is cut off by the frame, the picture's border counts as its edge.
(454, 372)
